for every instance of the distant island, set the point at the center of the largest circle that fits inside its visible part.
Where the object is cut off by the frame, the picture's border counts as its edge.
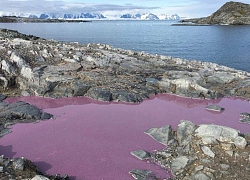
(14, 19)
(231, 13)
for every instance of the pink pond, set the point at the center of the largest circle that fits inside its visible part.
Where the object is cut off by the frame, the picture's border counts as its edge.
(91, 140)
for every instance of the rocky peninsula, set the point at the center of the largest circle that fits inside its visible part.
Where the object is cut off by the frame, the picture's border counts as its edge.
(34, 66)
(231, 13)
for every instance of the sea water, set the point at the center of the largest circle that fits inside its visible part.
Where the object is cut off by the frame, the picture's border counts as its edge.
(225, 45)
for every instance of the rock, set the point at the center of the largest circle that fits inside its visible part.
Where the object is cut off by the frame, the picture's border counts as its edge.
(126, 97)
(231, 13)
(200, 176)
(214, 107)
(184, 129)
(207, 151)
(140, 174)
(211, 134)
(240, 142)
(2, 97)
(19, 164)
(141, 154)
(179, 164)
(40, 177)
(162, 135)
(100, 94)
(245, 120)
(245, 115)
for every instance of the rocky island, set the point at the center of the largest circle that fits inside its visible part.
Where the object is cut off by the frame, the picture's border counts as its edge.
(31, 65)
(231, 13)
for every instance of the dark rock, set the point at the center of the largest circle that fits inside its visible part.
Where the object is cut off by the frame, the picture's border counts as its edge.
(80, 89)
(100, 94)
(126, 97)
(45, 115)
(2, 97)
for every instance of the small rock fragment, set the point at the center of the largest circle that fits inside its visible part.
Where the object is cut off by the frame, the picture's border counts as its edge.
(207, 151)
(140, 174)
(40, 177)
(141, 154)
(214, 107)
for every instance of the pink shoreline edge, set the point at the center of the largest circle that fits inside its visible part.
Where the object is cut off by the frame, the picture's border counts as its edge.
(93, 140)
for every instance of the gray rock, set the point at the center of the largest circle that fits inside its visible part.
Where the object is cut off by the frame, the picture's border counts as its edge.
(141, 154)
(1, 169)
(40, 177)
(211, 133)
(214, 107)
(245, 115)
(20, 110)
(100, 94)
(245, 120)
(225, 166)
(162, 135)
(140, 174)
(126, 97)
(184, 129)
(179, 163)
(151, 81)
(18, 164)
(240, 142)
(80, 89)
(2, 97)
(207, 151)
(200, 176)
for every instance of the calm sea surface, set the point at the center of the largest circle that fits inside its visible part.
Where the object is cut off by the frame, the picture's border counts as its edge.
(225, 45)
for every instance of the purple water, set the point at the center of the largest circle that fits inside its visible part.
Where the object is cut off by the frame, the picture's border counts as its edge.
(92, 140)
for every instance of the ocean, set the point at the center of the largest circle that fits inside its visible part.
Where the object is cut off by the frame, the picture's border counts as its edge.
(224, 45)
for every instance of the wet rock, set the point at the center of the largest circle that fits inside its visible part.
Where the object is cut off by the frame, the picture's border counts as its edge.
(126, 97)
(141, 154)
(162, 135)
(214, 107)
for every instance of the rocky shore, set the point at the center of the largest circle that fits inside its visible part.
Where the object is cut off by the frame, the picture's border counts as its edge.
(203, 152)
(34, 66)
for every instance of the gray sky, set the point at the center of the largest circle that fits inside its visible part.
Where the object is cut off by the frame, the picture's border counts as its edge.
(184, 8)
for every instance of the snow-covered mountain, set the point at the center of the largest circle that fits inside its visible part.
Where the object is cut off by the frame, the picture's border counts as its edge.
(51, 15)
(57, 15)
(150, 16)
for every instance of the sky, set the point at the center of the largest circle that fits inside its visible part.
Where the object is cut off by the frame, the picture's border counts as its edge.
(184, 8)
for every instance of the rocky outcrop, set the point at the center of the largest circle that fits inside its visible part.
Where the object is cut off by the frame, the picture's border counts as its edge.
(231, 13)
(34, 66)
(21, 168)
(202, 152)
